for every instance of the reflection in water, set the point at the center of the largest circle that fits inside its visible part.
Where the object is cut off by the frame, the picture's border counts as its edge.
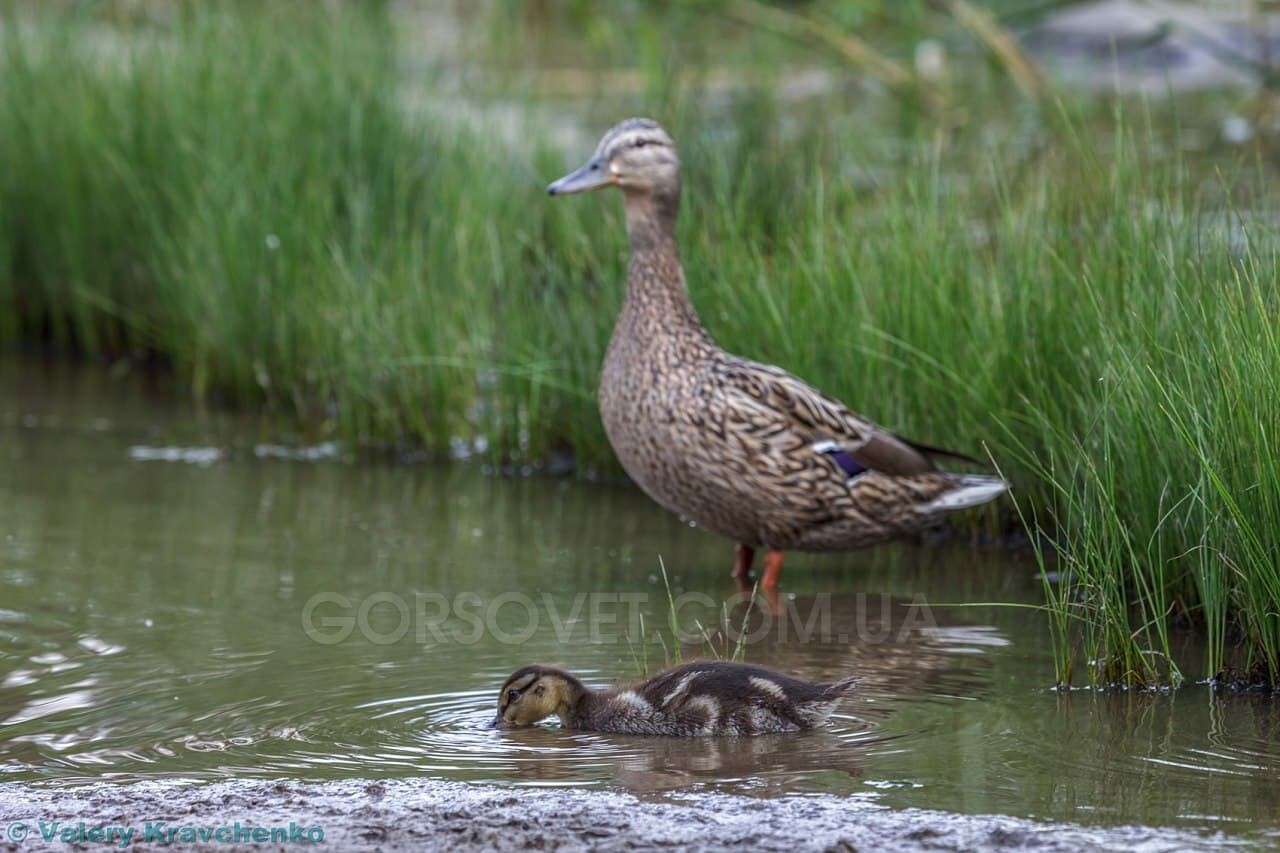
(657, 764)
(151, 624)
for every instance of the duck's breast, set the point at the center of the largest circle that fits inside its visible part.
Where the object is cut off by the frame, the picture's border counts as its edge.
(655, 416)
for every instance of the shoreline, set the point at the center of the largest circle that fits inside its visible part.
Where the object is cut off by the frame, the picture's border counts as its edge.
(414, 814)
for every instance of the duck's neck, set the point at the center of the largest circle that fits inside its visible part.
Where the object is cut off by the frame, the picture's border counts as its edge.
(657, 297)
(651, 221)
(579, 705)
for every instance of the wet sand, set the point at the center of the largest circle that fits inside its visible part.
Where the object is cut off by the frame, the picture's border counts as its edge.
(415, 814)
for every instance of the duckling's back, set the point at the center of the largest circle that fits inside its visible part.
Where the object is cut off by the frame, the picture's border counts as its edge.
(719, 698)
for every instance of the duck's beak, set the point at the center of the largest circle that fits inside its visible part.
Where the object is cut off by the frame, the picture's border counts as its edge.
(592, 176)
(497, 723)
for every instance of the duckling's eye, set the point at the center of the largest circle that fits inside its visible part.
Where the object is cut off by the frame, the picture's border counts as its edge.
(513, 695)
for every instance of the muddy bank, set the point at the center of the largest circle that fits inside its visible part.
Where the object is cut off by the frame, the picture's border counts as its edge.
(418, 814)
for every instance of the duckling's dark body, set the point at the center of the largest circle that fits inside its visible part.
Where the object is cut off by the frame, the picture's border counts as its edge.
(696, 699)
(715, 699)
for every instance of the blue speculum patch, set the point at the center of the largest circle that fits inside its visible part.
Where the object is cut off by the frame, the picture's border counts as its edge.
(851, 466)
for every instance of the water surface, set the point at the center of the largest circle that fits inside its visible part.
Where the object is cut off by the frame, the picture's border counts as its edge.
(156, 563)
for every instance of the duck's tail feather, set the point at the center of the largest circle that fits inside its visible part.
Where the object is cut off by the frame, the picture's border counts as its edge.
(970, 490)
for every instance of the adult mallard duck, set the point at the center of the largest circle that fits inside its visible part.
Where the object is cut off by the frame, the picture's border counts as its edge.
(743, 449)
(707, 698)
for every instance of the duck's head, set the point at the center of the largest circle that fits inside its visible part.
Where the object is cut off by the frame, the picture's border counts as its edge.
(636, 155)
(533, 693)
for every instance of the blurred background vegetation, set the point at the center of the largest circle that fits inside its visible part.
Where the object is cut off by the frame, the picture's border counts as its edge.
(1043, 231)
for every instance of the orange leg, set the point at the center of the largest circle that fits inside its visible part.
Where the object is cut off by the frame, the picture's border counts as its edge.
(743, 556)
(772, 568)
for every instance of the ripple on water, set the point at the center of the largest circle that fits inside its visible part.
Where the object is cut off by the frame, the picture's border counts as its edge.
(91, 708)
(450, 734)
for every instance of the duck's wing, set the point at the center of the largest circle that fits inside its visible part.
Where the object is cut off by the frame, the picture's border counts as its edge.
(931, 451)
(773, 406)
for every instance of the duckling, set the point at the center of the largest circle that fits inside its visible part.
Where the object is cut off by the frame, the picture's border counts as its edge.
(696, 699)
(744, 449)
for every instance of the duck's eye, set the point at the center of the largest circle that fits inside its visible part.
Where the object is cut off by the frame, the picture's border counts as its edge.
(640, 143)
(513, 695)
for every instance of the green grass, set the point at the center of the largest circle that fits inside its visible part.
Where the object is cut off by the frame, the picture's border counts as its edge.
(725, 640)
(242, 191)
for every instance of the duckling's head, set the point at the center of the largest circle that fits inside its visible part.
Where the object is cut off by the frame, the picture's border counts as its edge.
(533, 693)
(636, 155)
